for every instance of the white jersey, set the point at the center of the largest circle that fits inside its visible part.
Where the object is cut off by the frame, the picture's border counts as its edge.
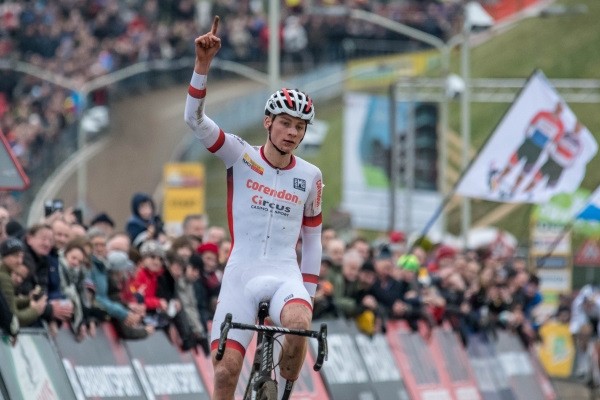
(268, 208)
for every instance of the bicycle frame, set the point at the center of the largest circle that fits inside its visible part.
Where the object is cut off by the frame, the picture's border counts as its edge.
(263, 363)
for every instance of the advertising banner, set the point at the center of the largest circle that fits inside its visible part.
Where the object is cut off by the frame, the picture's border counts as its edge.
(344, 372)
(384, 374)
(367, 163)
(184, 194)
(492, 381)
(517, 365)
(446, 346)
(165, 372)
(420, 370)
(31, 369)
(99, 368)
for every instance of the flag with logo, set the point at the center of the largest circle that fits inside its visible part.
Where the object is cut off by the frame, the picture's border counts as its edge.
(538, 149)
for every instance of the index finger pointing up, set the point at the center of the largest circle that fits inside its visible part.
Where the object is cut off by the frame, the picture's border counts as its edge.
(215, 25)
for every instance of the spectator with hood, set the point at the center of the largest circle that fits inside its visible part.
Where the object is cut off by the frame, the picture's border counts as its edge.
(143, 220)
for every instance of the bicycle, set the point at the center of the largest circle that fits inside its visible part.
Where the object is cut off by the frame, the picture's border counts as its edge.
(261, 384)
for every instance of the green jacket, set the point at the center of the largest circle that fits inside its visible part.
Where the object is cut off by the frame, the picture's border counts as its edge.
(18, 305)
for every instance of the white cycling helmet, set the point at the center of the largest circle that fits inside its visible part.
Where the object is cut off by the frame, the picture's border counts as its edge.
(292, 102)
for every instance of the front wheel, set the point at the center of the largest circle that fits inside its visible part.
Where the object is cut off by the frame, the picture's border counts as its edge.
(268, 391)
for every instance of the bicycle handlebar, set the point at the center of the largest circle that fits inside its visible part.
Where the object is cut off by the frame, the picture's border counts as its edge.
(225, 327)
(322, 348)
(321, 337)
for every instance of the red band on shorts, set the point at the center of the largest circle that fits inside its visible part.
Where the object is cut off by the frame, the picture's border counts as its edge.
(231, 344)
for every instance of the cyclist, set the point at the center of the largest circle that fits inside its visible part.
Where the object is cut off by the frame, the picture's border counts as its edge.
(273, 198)
(584, 324)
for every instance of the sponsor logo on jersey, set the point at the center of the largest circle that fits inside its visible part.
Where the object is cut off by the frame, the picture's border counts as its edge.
(288, 297)
(253, 164)
(269, 191)
(300, 184)
(319, 193)
(259, 203)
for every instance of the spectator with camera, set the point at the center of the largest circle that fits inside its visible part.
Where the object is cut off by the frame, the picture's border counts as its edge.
(39, 241)
(27, 309)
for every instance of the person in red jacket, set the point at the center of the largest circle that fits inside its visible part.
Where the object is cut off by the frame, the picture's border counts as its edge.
(146, 280)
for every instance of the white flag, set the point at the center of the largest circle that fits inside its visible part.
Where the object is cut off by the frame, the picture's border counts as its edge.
(537, 150)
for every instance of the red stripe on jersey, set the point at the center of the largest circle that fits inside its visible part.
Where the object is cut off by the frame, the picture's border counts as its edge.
(231, 344)
(312, 221)
(230, 206)
(310, 278)
(219, 143)
(196, 93)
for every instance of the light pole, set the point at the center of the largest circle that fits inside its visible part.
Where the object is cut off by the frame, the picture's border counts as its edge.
(474, 15)
(274, 50)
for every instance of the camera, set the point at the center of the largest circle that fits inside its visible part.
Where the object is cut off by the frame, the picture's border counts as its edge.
(50, 206)
(37, 293)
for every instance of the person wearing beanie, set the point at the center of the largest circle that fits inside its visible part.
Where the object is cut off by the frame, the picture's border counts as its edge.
(104, 222)
(27, 310)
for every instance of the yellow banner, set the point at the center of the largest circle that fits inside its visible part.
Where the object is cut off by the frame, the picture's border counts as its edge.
(557, 351)
(184, 193)
(385, 70)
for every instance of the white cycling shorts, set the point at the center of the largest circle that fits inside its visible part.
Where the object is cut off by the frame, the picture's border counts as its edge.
(243, 288)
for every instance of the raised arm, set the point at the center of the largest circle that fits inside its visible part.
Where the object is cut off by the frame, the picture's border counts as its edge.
(207, 47)
(209, 133)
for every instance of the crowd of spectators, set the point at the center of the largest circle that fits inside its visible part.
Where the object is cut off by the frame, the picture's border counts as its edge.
(62, 274)
(470, 291)
(82, 39)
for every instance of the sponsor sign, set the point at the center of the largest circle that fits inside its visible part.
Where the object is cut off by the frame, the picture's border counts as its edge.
(548, 238)
(419, 367)
(490, 377)
(184, 193)
(99, 368)
(366, 173)
(165, 372)
(518, 366)
(384, 71)
(31, 369)
(451, 354)
(345, 373)
(556, 351)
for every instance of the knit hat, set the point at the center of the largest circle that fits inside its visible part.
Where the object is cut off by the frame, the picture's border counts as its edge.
(102, 218)
(208, 247)
(409, 262)
(152, 248)
(444, 251)
(11, 246)
(119, 261)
